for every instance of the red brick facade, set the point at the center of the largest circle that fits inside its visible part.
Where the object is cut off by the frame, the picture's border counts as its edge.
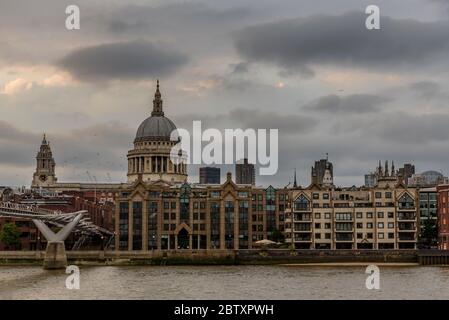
(443, 217)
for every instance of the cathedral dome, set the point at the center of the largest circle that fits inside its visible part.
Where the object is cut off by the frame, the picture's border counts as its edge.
(157, 127)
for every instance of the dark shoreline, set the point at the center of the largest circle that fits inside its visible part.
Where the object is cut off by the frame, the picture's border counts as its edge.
(233, 257)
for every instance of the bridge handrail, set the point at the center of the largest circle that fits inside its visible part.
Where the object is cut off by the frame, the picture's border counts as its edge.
(26, 207)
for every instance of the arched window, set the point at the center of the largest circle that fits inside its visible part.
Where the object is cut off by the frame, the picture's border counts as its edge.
(406, 202)
(302, 203)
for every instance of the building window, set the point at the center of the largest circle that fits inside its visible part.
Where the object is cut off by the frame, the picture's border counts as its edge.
(380, 235)
(380, 215)
(390, 225)
(317, 215)
(343, 226)
(215, 225)
(406, 202)
(229, 224)
(137, 225)
(359, 235)
(123, 225)
(317, 225)
(380, 225)
(369, 225)
(390, 215)
(388, 195)
(215, 194)
(327, 225)
(390, 235)
(302, 204)
(326, 196)
(315, 196)
(317, 235)
(378, 195)
(369, 235)
(327, 215)
(327, 235)
(359, 215)
(359, 225)
(344, 216)
(369, 215)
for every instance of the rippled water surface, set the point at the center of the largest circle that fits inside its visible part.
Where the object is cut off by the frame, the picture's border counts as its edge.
(226, 282)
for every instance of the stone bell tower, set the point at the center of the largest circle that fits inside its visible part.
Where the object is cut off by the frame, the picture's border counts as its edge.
(45, 169)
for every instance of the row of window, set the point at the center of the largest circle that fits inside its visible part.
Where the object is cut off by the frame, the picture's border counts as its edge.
(348, 216)
(369, 235)
(343, 226)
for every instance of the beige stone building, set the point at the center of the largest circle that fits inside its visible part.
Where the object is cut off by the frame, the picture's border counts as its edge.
(159, 216)
(382, 217)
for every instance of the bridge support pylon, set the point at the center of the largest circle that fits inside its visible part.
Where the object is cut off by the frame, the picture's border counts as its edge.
(55, 256)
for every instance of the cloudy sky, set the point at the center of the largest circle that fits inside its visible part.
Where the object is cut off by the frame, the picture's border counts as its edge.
(309, 68)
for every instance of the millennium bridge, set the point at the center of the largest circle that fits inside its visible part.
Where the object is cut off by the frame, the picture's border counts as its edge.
(76, 222)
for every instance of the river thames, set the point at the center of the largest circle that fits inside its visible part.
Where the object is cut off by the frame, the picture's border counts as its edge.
(226, 282)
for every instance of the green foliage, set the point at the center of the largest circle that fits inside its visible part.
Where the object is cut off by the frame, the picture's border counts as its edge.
(277, 236)
(10, 235)
(429, 232)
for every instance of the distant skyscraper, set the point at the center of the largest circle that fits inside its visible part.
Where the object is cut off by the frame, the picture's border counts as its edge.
(319, 170)
(209, 175)
(370, 180)
(407, 172)
(245, 173)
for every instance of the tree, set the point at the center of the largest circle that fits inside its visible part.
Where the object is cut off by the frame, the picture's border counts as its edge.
(277, 236)
(429, 232)
(10, 235)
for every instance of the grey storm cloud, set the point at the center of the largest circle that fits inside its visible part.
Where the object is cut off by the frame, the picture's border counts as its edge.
(97, 148)
(356, 103)
(122, 60)
(289, 124)
(429, 90)
(343, 40)
(412, 129)
(144, 17)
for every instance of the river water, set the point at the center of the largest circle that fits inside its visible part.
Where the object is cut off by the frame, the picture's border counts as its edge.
(226, 282)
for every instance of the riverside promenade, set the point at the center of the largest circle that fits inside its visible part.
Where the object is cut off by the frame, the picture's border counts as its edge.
(229, 257)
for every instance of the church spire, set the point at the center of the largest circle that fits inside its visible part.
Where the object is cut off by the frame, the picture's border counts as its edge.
(157, 103)
(44, 139)
(295, 184)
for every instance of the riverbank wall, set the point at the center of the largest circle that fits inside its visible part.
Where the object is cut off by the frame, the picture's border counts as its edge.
(217, 257)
